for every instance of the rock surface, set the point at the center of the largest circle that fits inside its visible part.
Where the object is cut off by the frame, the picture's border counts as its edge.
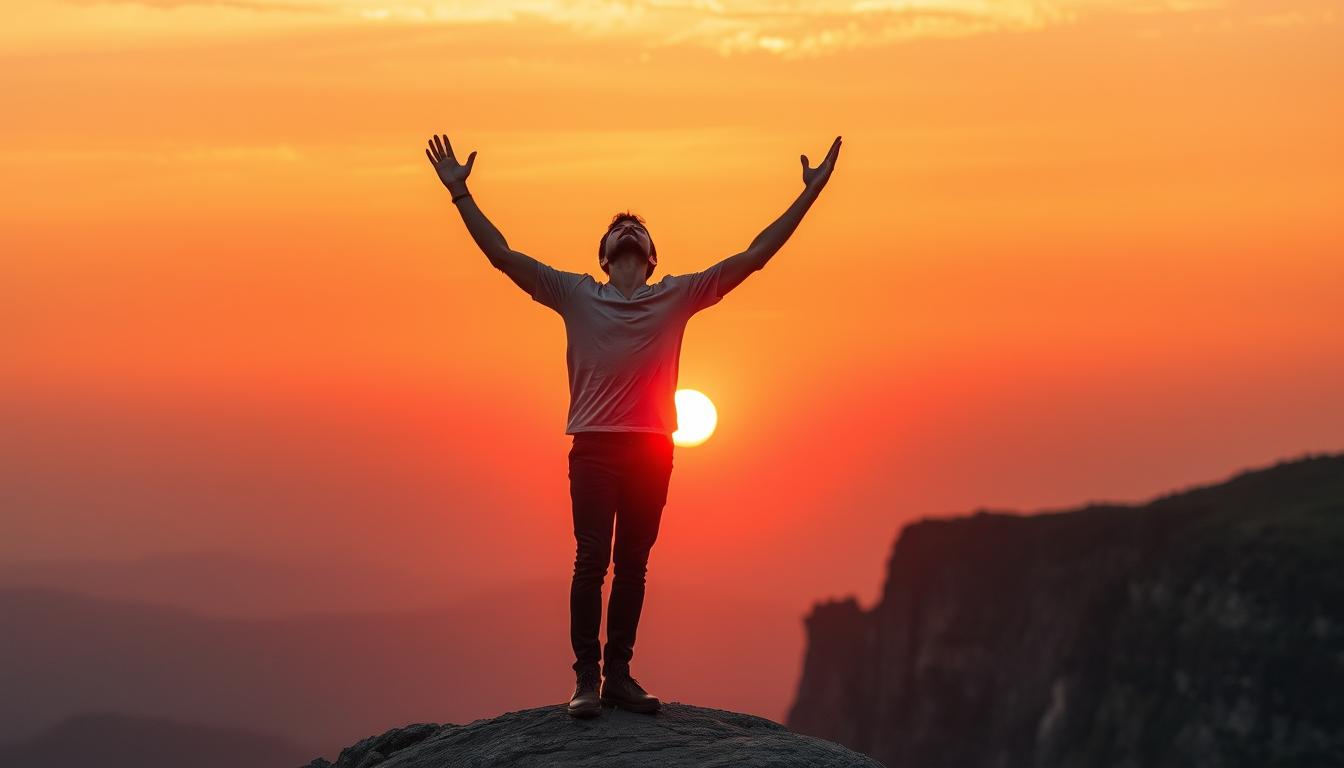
(677, 735)
(1205, 628)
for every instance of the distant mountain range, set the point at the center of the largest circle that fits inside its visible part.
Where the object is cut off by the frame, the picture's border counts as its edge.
(1205, 628)
(222, 582)
(110, 740)
(332, 678)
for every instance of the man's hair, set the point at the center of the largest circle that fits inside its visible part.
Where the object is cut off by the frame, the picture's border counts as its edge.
(617, 219)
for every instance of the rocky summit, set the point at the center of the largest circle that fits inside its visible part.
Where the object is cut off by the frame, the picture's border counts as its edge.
(677, 735)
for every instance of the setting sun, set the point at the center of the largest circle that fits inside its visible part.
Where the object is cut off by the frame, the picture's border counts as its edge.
(696, 417)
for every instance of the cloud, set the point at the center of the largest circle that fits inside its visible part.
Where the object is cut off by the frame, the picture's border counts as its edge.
(784, 28)
(250, 5)
(787, 28)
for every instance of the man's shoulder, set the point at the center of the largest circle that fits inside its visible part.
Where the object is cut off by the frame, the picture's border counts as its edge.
(584, 281)
(575, 276)
(674, 281)
(557, 287)
(572, 279)
(696, 275)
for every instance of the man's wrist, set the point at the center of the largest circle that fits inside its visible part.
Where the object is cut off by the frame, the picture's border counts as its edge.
(458, 188)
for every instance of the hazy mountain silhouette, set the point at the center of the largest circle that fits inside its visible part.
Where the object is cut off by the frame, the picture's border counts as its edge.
(220, 582)
(1205, 628)
(113, 740)
(327, 679)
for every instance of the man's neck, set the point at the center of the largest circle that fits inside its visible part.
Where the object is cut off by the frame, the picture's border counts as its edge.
(626, 282)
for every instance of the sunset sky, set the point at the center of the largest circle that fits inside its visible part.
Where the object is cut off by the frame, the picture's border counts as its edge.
(1073, 250)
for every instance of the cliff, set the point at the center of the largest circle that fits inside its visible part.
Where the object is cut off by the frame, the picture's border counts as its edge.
(1205, 628)
(677, 735)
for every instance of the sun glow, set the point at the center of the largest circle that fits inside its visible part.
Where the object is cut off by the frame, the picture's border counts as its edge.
(696, 417)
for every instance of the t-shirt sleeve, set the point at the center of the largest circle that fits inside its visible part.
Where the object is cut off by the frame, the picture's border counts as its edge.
(702, 288)
(554, 286)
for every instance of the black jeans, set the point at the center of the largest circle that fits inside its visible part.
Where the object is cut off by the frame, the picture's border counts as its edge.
(620, 477)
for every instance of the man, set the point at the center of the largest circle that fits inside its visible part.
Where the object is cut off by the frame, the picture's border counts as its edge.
(624, 344)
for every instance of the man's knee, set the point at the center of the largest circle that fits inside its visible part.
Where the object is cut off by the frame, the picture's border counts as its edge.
(631, 564)
(591, 563)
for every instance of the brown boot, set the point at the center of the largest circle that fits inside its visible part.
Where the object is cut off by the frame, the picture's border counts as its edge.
(622, 690)
(585, 701)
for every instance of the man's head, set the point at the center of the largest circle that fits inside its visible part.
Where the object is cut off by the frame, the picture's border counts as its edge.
(626, 238)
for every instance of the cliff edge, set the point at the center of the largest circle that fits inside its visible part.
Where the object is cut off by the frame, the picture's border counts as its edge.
(1204, 628)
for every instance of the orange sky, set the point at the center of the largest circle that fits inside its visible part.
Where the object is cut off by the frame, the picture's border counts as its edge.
(1071, 251)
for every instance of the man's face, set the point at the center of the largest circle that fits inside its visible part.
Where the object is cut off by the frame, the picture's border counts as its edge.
(628, 236)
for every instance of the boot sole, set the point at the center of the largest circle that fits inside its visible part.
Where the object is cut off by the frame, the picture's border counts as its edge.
(632, 706)
(589, 711)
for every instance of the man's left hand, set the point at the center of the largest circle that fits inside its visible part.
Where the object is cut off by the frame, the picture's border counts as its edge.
(822, 173)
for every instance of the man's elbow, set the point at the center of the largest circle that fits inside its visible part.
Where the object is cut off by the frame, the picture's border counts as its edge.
(499, 258)
(759, 259)
(755, 259)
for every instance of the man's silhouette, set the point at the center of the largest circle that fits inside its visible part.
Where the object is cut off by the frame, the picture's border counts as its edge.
(624, 344)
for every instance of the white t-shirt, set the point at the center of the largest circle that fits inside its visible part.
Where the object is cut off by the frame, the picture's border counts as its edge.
(623, 353)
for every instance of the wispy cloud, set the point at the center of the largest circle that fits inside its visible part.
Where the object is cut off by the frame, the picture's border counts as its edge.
(798, 28)
(785, 28)
(249, 5)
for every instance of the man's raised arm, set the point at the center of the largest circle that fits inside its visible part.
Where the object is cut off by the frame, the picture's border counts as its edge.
(736, 267)
(520, 267)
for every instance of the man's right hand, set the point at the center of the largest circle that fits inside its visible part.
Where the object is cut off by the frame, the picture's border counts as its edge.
(453, 175)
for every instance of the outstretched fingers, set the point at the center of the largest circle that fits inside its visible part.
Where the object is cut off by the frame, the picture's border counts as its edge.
(834, 151)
